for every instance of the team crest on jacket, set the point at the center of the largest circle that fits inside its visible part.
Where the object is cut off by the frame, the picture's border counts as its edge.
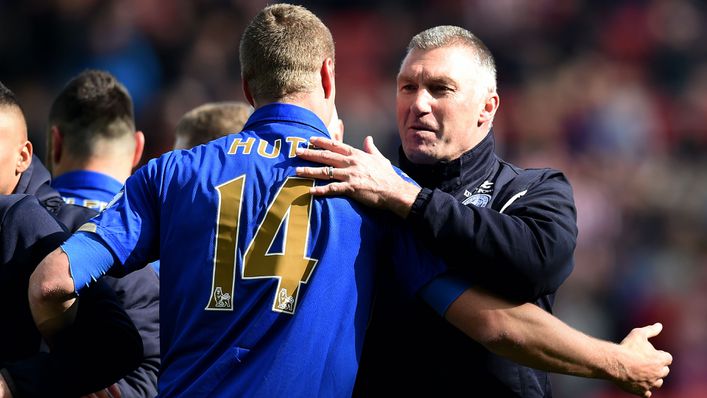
(481, 196)
(478, 200)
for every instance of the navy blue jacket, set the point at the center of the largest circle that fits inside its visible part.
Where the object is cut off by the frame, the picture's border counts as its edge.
(138, 292)
(508, 230)
(75, 366)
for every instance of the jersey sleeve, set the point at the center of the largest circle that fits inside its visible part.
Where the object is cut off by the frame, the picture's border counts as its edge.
(129, 225)
(413, 265)
(443, 290)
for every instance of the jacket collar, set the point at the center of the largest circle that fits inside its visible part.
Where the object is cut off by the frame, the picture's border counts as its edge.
(35, 181)
(470, 167)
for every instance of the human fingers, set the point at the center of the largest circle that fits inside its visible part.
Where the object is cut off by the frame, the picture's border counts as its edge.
(642, 334)
(319, 173)
(322, 156)
(664, 372)
(114, 391)
(666, 358)
(335, 188)
(103, 394)
(331, 145)
(370, 147)
(652, 330)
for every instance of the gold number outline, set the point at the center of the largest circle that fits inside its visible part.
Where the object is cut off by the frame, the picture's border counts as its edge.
(292, 194)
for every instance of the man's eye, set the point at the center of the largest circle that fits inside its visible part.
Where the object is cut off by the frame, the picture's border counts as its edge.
(440, 89)
(407, 87)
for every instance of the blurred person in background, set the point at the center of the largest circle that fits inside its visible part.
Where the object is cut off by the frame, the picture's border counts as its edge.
(27, 232)
(216, 119)
(210, 121)
(93, 146)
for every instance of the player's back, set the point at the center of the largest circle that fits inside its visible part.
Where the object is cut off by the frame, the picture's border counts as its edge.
(266, 290)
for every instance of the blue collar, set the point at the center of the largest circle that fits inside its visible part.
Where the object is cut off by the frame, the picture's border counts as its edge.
(280, 112)
(87, 180)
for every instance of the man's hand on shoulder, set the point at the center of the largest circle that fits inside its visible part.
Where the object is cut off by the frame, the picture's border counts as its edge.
(366, 176)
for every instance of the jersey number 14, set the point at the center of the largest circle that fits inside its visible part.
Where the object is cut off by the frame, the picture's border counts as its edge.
(291, 209)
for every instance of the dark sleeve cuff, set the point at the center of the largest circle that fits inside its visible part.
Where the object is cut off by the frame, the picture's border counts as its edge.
(418, 206)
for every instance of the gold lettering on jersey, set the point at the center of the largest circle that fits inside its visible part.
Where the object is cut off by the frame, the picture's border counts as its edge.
(290, 210)
(247, 146)
(264, 148)
(275, 152)
(230, 195)
(294, 143)
(94, 204)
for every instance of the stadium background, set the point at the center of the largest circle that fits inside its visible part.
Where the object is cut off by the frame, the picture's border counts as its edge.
(612, 92)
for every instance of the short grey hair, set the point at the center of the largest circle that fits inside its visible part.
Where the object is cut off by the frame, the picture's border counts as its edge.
(448, 35)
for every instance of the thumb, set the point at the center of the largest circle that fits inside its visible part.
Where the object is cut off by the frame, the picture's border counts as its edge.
(370, 147)
(653, 330)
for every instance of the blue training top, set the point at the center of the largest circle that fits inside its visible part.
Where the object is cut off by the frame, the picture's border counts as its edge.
(87, 188)
(265, 290)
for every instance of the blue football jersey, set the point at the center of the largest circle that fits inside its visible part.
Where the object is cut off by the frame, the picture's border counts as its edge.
(87, 188)
(90, 189)
(265, 290)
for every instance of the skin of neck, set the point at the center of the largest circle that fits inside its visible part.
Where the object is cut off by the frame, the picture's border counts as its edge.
(112, 162)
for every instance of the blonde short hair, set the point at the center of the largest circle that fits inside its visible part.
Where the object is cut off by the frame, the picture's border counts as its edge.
(210, 121)
(282, 51)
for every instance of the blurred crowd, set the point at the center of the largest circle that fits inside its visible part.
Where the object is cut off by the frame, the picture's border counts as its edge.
(612, 92)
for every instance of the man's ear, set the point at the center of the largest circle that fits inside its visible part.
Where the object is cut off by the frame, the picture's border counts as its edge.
(139, 147)
(327, 75)
(24, 158)
(246, 91)
(489, 110)
(56, 143)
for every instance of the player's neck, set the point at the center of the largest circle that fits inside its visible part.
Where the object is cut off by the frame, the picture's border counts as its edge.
(314, 102)
(114, 167)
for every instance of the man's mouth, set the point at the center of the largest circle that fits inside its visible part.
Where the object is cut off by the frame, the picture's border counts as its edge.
(421, 127)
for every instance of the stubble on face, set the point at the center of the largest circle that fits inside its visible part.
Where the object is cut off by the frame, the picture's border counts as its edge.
(437, 103)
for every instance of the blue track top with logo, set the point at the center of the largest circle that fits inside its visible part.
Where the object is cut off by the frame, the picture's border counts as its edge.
(265, 290)
(87, 188)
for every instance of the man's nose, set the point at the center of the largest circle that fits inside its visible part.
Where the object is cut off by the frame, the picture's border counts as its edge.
(421, 102)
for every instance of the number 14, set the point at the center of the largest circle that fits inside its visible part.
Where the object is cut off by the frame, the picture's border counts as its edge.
(291, 209)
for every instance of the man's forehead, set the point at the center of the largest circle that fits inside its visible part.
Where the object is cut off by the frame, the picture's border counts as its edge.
(438, 64)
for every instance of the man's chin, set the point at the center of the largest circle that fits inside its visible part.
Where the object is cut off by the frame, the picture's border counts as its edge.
(419, 154)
